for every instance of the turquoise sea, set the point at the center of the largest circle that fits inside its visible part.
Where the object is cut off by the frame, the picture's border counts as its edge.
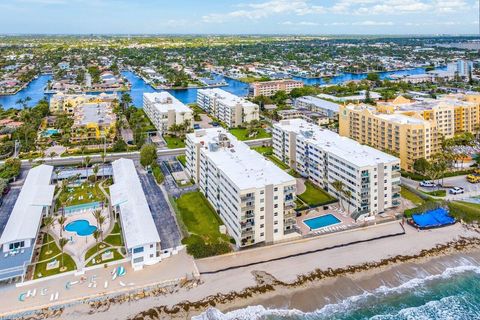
(453, 294)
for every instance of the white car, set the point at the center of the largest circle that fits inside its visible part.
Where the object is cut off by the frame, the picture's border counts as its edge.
(427, 184)
(456, 190)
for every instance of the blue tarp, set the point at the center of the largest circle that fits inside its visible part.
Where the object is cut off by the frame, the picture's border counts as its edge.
(434, 218)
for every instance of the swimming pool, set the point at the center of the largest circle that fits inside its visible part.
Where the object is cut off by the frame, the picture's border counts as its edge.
(81, 227)
(322, 221)
(50, 132)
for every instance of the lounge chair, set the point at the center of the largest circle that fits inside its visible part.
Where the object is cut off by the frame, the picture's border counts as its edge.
(121, 271)
(122, 284)
(105, 285)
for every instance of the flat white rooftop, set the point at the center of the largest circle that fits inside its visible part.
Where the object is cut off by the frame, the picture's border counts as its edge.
(246, 168)
(137, 221)
(324, 104)
(226, 97)
(26, 216)
(344, 148)
(164, 101)
(400, 118)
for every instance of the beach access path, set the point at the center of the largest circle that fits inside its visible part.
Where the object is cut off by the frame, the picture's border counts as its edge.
(175, 267)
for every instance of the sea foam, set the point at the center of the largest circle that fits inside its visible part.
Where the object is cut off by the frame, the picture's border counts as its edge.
(444, 306)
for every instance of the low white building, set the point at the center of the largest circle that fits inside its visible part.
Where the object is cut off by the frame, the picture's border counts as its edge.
(370, 177)
(128, 200)
(164, 110)
(323, 107)
(254, 198)
(228, 108)
(20, 234)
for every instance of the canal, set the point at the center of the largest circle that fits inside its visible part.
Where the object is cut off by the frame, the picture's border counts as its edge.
(35, 90)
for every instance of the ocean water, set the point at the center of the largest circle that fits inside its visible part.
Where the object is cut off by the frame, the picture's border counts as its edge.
(453, 294)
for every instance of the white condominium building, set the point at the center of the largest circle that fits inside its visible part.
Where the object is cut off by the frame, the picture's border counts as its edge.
(164, 110)
(139, 230)
(228, 108)
(254, 198)
(324, 107)
(370, 178)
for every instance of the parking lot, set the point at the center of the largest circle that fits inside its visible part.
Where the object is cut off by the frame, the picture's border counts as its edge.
(470, 189)
(10, 198)
(162, 215)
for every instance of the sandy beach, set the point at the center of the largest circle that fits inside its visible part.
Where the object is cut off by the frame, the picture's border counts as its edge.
(339, 272)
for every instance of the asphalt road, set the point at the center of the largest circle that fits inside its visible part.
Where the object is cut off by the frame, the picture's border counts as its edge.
(162, 215)
(471, 189)
(96, 158)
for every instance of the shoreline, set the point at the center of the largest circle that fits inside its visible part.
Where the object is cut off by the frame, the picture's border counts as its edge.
(233, 289)
(268, 287)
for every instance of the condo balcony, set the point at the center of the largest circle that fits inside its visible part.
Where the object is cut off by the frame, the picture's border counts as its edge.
(247, 198)
(248, 207)
(247, 224)
(247, 233)
(396, 174)
(396, 203)
(289, 214)
(247, 216)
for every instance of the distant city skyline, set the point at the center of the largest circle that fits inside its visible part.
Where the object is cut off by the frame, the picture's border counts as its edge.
(245, 17)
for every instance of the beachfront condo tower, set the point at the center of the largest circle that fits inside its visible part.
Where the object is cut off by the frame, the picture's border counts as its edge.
(369, 179)
(254, 198)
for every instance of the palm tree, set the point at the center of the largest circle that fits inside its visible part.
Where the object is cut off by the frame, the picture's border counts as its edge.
(338, 186)
(347, 194)
(61, 221)
(97, 234)
(97, 214)
(48, 222)
(62, 243)
(87, 163)
(95, 171)
(101, 221)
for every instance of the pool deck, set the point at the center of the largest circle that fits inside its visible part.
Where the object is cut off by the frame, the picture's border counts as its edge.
(345, 221)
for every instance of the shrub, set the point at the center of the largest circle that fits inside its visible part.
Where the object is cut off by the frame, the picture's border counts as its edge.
(468, 212)
(427, 206)
(157, 173)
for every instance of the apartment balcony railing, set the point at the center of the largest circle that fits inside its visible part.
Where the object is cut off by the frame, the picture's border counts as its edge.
(247, 233)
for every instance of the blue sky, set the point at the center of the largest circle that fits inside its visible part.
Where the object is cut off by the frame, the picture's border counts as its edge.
(240, 17)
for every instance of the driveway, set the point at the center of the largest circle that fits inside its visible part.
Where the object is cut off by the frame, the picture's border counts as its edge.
(162, 215)
(471, 189)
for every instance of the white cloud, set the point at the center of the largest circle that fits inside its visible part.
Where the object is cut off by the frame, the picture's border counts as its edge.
(299, 23)
(261, 10)
(373, 23)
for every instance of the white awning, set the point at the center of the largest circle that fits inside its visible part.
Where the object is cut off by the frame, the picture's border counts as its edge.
(26, 216)
(127, 193)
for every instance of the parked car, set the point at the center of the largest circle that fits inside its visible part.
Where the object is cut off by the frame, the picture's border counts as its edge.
(427, 184)
(456, 190)
(196, 126)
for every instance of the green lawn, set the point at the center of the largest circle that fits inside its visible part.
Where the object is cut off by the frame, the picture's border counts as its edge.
(409, 195)
(436, 193)
(314, 196)
(114, 240)
(174, 142)
(466, 211)
(183, 160)
(93, 250)
(202, 224)
(116, 256)
(241, 134)
(265, 151)
(85, 190)
(46, 258)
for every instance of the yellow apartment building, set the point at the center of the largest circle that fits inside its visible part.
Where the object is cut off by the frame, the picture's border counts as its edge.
(66, 103)
(410, 129)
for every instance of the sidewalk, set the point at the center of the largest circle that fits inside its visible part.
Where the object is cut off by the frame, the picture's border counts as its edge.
(175, 267)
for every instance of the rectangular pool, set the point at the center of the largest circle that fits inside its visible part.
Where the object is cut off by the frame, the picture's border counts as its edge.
(322, 221)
